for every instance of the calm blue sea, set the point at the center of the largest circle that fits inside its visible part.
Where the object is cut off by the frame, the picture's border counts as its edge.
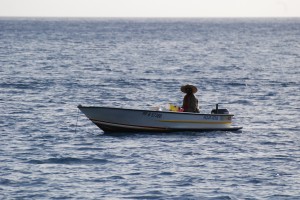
(50, 150)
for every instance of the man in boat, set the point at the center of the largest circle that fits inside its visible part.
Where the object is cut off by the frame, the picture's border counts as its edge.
(190, 102)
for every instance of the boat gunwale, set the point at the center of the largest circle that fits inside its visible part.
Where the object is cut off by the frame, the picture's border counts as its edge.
(143, 110)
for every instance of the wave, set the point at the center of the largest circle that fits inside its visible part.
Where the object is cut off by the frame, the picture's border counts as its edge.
(68, 161)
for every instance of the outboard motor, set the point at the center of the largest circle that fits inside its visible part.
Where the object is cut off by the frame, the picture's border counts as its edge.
(219, 111)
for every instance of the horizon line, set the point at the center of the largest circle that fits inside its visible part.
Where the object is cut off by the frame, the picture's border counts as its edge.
(159, 17)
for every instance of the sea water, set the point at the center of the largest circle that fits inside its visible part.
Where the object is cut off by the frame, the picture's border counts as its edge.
(50, 150)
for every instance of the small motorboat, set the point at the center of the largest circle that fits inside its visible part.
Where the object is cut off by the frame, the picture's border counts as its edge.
(134, 120)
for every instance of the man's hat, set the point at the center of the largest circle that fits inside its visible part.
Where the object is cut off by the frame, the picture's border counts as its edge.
(184, 88)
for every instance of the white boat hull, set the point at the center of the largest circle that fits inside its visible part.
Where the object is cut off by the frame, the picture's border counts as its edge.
(131, 120)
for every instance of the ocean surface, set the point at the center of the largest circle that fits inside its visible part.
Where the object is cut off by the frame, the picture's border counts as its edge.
(50, 150)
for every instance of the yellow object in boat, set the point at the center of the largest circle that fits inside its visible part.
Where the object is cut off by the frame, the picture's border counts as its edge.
(174, 108)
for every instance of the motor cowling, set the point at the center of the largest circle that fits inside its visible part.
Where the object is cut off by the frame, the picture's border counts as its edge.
(223, 111)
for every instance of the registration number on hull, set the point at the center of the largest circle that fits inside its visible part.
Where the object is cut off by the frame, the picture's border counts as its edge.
(211, 117)
(152, 114)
